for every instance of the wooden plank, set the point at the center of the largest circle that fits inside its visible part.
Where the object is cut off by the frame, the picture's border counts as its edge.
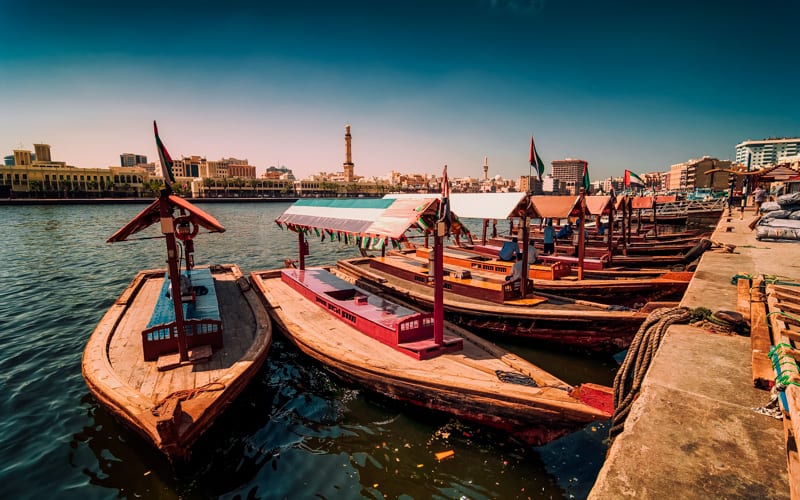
(760, 341)
(791, 425)
(792, 457)
(743, 298)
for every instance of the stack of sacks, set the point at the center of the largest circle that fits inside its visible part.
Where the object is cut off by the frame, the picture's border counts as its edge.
(780, 219)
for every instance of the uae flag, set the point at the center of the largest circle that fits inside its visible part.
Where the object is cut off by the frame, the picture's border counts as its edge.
(165, 158)
(536, 161)
(633, 180)
(444, 204)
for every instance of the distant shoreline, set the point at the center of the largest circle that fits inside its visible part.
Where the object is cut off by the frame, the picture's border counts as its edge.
(130, 201)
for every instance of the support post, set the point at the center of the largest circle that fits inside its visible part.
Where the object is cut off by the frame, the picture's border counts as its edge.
(526, 268)
(581, 235)
(438, 284)
(168, 229)
(302, 250)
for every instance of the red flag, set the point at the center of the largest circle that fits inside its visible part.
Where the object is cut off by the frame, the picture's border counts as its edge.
(535, 160)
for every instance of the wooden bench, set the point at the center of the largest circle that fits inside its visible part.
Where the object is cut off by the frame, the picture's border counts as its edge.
(593, 264)
(202, 322)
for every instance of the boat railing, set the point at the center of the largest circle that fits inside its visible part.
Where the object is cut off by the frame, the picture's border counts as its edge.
(163, 339)
(687, 207)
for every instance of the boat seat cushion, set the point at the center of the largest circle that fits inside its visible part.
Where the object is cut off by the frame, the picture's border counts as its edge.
(205, 306)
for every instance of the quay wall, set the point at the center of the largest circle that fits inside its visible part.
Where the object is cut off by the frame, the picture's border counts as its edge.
(692, 431)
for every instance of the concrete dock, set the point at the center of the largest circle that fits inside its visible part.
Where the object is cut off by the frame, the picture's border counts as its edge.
(692, 432)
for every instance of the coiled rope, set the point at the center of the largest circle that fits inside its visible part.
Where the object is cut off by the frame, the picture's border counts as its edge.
(630, 375)
(186, 394)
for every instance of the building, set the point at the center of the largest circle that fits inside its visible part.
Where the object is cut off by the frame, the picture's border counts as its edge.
(695, 173)
(132, 160)
(767, 151)
(278, 173)
(551, 185)
(570, 172)
(530, 184)
(31, 176)
(42, 152)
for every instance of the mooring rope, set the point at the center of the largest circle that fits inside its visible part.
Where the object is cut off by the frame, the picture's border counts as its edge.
(515, 378)
(630, 375)
(186, 394)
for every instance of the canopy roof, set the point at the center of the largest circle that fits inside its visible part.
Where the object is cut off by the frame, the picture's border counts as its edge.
(481, 205)
(362, 216)
(776, 173)
(152, 214)
(643, 202)
(556, 207)
(599, 204)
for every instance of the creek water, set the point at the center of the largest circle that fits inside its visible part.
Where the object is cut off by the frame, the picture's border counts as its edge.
(296, 432)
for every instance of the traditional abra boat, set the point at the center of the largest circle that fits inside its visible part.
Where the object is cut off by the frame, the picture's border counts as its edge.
(491, 305)
(405, 354)
(557, 278)
(167, 364)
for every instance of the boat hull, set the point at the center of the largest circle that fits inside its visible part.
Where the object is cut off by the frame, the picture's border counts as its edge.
(135, 392)
(559, 321)
(464, 383)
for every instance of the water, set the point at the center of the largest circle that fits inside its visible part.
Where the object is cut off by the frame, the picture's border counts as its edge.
(296, 432)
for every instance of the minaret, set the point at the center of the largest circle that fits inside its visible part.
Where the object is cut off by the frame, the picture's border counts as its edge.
(486, 168)
(348, 155)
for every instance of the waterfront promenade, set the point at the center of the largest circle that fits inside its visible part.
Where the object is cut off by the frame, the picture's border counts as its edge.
(692, 432)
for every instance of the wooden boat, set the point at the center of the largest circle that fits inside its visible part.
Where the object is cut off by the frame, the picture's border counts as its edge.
(405, 354)
(498, 309)
(488, 306)
(473, 381)
(557, 278)
(167, 364)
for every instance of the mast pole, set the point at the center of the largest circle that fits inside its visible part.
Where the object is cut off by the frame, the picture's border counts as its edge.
(168, 229)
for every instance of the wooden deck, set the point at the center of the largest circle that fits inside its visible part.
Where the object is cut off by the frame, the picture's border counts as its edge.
(130, 387)
(464, 383)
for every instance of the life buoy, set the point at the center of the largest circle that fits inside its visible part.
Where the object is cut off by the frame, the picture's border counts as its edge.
(185, 229)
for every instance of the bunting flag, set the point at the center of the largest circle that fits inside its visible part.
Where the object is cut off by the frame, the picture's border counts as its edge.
(165, 159)
(536, 161)
(633, 180)
(586, 176)
(444, 205)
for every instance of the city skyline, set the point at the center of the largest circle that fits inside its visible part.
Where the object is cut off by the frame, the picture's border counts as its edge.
(621, 85)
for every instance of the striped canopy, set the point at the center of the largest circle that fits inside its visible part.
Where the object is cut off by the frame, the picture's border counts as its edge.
(360, 216)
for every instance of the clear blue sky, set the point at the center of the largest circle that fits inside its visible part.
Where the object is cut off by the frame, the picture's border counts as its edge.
(624, 85)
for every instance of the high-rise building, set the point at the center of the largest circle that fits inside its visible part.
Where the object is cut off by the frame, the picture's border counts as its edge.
(570, 171)
(131, 160)
(767, 151)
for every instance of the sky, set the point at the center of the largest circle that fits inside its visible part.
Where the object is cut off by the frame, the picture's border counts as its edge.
(636, 85)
